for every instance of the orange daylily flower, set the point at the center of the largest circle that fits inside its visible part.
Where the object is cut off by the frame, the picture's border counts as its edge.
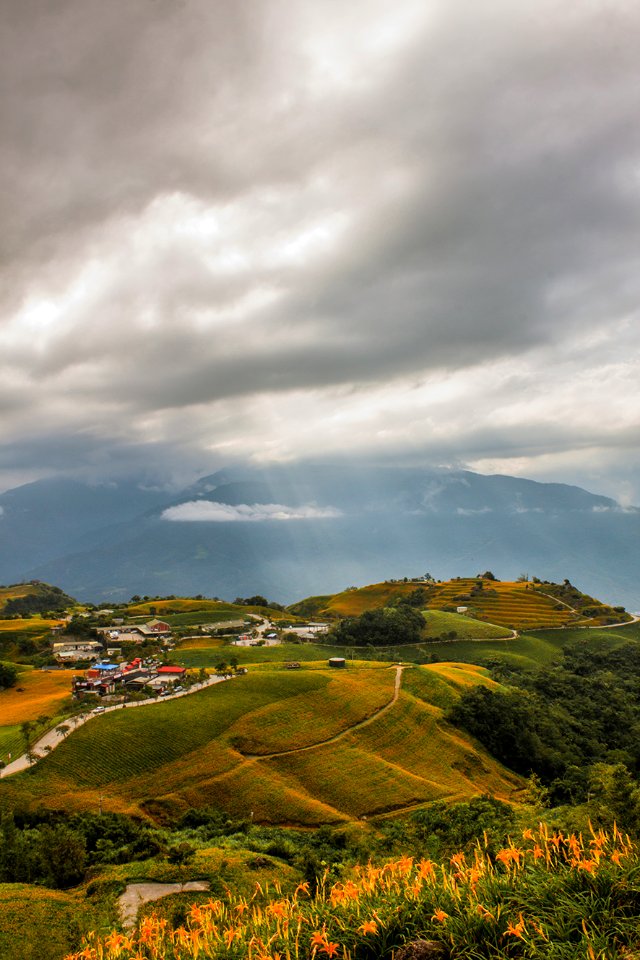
(337, 895)
(517, 929)
(484, 912)
(330, 949)
(426, 870)
(278, 908)
(440, 916)
(318, 938)
(369, 926)
(116, 940)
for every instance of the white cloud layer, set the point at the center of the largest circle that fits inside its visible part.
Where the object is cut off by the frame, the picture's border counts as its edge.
(278, 228)
(208, 511)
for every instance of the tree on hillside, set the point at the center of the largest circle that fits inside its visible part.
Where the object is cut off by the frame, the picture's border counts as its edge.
(8, 675)
(63, 853)
(181, 855)
(417, 598)
(390, 626)
(44, 599)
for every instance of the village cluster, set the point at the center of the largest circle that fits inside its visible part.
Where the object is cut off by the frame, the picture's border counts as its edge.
(106, 678)
(71, 650)
(108, 675)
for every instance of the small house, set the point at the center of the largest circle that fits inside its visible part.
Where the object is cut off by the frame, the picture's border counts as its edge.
(337, 662)
(172, 671)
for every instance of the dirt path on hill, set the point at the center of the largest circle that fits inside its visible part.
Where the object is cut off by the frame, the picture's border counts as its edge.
(53, 738)
(138, 893)
(611, 626)
(337, 736)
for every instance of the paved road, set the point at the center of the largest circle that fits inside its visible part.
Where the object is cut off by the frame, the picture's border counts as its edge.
(138, 893)
(55, 736)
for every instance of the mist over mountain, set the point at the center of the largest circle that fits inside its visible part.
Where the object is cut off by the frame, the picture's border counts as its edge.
(294, 530)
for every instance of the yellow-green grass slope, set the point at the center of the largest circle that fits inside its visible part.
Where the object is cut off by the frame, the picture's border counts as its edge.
(190, 611)
(37, 696)
(41, 924)
(288, 747)
(438, 623)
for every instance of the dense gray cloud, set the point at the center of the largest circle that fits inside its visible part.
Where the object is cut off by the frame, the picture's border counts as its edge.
(276, 228)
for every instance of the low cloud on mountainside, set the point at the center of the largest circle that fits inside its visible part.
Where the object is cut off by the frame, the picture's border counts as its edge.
(270, 229)
(209, 511)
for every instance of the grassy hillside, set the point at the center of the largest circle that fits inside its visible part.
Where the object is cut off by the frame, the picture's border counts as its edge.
(292, 747)
(41, 924)
(179, 611)
(439, 622)
(37, 692)
(24, 640)
(520, 606)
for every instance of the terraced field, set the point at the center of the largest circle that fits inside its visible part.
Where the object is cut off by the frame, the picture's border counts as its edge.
(519, 606)
(298, 747)
(516, 605)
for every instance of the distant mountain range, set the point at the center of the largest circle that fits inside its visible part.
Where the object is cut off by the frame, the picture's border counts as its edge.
(290, 531)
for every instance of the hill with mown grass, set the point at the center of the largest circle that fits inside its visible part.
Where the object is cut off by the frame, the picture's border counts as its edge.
(309, 746)
(519, 605)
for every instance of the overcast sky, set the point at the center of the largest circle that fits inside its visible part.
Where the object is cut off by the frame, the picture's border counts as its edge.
(277, 229)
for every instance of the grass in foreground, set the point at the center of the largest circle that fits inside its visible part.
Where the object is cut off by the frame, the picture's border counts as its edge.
(551, 895)
(40, 924)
